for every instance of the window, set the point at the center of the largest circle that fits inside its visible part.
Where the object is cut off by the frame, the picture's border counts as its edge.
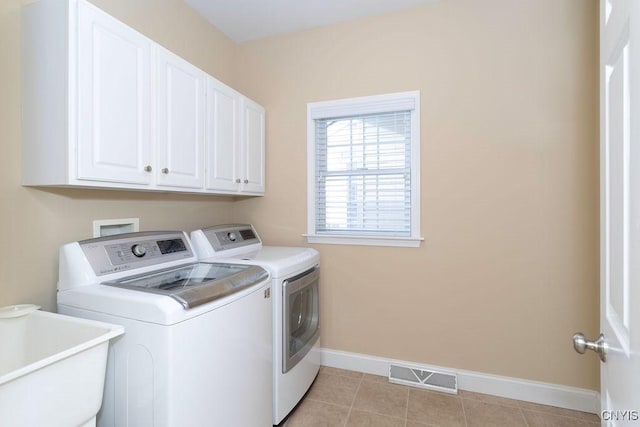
(363, 162)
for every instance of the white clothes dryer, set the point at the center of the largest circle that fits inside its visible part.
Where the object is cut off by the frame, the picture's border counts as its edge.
(295, 274)
(197, 348)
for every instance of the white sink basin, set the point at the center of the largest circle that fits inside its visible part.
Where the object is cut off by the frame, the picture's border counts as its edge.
(52, 368)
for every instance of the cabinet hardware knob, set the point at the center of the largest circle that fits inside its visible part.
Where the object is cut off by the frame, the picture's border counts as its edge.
(165, 170)
(238, 180)
(148, 168)
(246, 181)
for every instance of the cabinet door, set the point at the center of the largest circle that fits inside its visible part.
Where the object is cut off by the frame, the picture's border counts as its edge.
(252, 147)
(223, 137)
(180, 122)
(113, 100)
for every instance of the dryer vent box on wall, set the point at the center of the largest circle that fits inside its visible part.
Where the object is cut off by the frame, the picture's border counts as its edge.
(110, 227)
(423, 378)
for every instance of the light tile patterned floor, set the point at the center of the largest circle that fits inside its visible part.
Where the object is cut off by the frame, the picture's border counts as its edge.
(347, 398)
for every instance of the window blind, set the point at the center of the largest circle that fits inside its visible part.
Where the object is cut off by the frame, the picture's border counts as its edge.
(363, 174)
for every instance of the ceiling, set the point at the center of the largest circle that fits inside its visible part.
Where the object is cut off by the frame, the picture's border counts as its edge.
(243, 20)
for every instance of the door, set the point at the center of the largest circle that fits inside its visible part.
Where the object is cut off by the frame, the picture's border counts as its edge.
(180, 122)
(301, 322)
(253, 147)
(222, 136)
(620, 209)
(113, 117)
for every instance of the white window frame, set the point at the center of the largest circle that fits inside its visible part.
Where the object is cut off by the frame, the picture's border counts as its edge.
(401, 101)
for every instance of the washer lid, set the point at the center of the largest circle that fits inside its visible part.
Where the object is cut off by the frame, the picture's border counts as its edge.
(195, 284)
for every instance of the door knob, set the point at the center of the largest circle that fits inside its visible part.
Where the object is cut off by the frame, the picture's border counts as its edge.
(165, 170)
(581, 345)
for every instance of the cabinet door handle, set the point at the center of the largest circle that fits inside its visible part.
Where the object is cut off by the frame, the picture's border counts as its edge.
(246, 181)
(165, 170)
(148, 168)
(238, 180)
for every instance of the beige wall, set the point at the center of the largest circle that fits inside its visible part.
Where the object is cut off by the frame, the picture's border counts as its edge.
(508, 270)
(34, 222)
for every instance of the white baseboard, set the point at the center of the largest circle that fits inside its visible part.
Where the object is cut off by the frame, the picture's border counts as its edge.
(514, 388)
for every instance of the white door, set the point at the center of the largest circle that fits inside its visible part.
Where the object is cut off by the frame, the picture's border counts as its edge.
(253, 147)
(180, 122)
(620, 209)
(113, 99)
(222, 136)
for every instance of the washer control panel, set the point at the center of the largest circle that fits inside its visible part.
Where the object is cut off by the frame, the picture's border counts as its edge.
(129, 251)
(138, 250)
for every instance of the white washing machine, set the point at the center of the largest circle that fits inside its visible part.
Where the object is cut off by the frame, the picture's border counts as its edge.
(295, 273)
(197, 349)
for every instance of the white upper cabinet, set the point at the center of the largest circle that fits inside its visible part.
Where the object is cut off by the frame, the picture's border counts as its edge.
(104, 106)
(235, 141)
(113, 100)
(180, 122)
(223, 136)
(252, 158)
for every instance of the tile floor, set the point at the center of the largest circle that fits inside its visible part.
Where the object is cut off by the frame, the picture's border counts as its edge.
(348, 398)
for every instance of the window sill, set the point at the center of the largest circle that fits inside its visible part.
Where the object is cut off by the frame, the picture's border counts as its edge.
(406, 242)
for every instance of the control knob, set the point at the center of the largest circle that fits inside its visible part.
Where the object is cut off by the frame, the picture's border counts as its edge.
(138, 250)
(232, 236)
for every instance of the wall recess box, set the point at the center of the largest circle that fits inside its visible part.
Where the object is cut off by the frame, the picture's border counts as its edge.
(109, 227)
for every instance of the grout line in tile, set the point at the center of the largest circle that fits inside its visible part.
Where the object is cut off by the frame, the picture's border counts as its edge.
(526, 423)
(353, 401)
(551, 413)
(406, 408)
(464, 413)
(475, 399)
(325, 402)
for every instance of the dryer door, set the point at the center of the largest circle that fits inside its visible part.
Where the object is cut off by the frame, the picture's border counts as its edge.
(301, 317)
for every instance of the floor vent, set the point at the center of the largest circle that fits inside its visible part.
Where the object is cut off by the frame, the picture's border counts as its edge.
(423, 378)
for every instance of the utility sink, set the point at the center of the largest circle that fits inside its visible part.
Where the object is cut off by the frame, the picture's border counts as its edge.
(52, 367)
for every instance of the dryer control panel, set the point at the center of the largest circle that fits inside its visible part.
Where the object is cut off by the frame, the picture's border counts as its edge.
(226, 237)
